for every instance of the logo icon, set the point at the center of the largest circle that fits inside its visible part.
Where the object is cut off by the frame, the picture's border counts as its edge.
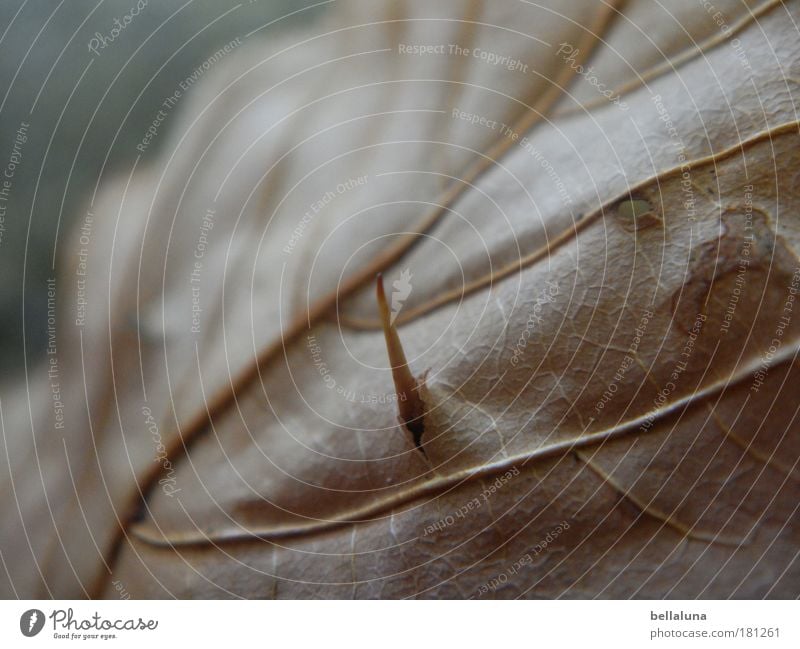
(31, 622)
(402, 289)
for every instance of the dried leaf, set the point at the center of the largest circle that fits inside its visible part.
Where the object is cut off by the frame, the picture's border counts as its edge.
(599, 289)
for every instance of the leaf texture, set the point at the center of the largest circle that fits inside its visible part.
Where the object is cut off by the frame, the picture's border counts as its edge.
(603, 306)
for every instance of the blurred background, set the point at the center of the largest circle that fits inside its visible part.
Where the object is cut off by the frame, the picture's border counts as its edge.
(80, 83)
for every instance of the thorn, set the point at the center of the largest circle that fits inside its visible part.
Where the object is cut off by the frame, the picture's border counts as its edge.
(409, 403)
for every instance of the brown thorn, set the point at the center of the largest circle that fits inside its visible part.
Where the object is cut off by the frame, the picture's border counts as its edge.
(409, 402)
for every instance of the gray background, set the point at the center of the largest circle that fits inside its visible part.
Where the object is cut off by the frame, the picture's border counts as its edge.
(43, 52)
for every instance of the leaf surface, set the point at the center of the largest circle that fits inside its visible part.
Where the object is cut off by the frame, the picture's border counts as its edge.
(610, 390)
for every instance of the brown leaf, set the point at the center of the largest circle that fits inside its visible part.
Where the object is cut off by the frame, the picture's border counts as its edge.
(602, 301)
